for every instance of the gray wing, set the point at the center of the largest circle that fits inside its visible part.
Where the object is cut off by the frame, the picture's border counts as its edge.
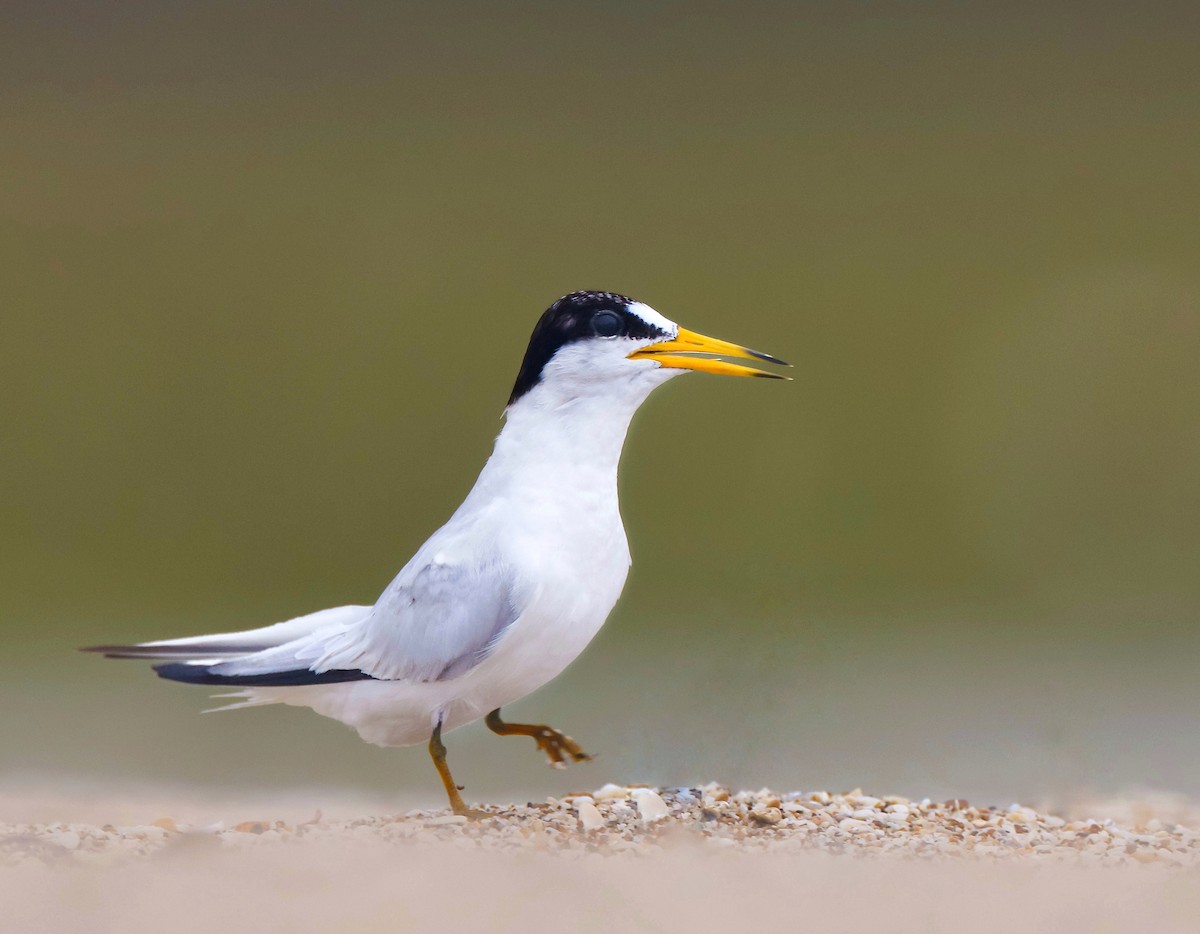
(435, 621)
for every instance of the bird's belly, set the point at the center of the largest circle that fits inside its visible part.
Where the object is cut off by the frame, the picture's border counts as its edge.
(533, 652)
(386, 713)
(573, 581)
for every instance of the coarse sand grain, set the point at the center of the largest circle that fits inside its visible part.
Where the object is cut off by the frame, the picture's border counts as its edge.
(618, 858)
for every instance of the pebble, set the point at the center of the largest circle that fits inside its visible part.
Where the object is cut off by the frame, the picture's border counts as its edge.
(67, 839)
(620, 819)
(766, 815)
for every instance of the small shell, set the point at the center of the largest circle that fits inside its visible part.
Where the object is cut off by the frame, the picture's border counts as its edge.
(590, 817)
(611, 792)
(650, 806)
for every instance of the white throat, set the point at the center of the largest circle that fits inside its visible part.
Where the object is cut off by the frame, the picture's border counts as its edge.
(545, 429)
(557, 439)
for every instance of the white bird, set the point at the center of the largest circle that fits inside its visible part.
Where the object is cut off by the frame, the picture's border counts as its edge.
(512, 588)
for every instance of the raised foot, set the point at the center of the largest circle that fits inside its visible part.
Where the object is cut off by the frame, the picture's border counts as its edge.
(559, 747)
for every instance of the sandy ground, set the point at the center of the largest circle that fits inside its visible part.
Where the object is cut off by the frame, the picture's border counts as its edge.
(616, 858)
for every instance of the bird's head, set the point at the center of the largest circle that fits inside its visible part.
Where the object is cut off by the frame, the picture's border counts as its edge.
(600, 343)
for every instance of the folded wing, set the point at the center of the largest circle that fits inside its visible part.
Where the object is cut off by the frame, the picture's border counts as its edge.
(433, 623)
(436, 621)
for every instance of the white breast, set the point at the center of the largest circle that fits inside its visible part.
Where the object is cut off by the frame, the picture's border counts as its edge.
(546, 507)
(555, 519)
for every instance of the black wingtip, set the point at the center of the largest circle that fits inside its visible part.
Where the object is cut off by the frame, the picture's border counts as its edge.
(111, 651)
(203, 674)
(150, 651)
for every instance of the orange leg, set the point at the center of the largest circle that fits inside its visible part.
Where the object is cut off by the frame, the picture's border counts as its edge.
(557, 746)
(437, 751)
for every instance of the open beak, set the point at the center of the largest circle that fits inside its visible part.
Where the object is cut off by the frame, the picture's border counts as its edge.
(681, 352)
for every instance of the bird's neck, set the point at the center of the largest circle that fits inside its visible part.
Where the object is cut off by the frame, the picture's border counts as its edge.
(583, 437)
(560, 445)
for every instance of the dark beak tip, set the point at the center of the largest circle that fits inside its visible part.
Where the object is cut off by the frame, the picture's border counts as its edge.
(770, 359)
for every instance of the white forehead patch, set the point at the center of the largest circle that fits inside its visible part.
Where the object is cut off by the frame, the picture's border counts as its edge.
(653, 318)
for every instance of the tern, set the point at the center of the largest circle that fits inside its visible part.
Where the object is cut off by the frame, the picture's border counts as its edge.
(513, 587)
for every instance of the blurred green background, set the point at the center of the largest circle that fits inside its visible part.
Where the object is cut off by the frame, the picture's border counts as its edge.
(269, 270)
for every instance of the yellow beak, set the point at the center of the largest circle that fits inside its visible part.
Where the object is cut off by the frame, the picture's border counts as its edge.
(679, 352)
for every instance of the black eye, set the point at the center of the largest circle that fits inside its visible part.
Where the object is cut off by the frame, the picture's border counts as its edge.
(606, 323)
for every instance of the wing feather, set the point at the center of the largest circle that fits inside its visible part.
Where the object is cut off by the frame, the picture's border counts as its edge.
(436, 621)
(238, 644)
